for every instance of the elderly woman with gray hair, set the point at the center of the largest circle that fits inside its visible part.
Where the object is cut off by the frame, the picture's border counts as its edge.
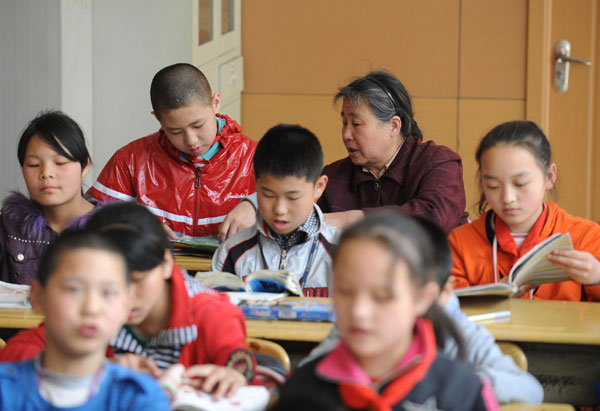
(388, 164)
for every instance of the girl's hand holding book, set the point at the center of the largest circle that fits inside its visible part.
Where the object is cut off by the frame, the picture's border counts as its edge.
(215, 379)
(581, 266)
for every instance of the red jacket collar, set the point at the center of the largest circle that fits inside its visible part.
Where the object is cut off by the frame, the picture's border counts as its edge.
(355, 386)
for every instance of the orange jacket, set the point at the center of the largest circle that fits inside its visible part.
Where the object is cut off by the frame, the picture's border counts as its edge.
(471, 246)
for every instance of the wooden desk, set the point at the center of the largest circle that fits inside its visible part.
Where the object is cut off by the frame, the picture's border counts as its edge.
(288, 330)
(194, 263)
(19, 318)
(561, 340)
(556, 322)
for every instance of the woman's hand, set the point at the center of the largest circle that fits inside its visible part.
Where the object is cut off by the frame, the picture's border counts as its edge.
(581, 266)
(138, 363)
(215, 379)
(343, 219)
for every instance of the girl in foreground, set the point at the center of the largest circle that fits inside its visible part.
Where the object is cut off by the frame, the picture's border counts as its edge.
(515, 171)
(384, 287)
(54, 160)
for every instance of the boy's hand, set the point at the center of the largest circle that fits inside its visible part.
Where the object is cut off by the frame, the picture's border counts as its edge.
(215, 379)
(581, 266)
(524, 289)
(138, 363)
(242, 216)
(343, 219)
(170, 233)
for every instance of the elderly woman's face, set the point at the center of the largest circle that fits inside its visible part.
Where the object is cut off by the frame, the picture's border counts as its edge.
(370, 142)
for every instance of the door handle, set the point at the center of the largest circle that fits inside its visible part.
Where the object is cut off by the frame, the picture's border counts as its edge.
(563, 59)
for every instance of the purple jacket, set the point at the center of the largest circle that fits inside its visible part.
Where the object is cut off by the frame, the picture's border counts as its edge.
(424, 179)
(24, 236)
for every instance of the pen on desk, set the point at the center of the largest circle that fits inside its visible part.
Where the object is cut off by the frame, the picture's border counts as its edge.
(498, 315)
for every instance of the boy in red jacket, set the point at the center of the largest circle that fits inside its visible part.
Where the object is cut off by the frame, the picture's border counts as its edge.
(192, 171)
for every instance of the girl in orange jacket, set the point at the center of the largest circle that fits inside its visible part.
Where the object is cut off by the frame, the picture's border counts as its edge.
(515, 171)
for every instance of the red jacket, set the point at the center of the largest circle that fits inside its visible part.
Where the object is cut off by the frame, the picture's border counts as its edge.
(203, 329)
(471, 246)
(191, 201)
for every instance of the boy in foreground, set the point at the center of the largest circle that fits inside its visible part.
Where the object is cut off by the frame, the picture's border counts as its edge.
(82, 289)
(290, 233)
(191, 172)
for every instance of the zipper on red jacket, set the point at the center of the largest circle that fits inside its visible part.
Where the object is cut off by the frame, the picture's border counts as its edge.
(197, 185)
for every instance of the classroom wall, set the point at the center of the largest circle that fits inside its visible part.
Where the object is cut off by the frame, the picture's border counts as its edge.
(30, 78)
(133, 39)
(463, 61)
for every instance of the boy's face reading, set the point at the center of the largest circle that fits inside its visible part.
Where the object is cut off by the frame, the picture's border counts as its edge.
(286, 202)
(85, 301)
(191, 128)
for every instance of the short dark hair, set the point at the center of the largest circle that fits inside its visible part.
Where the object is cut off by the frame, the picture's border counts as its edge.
(385, 96)
(178, 85)
(60, 132)
(139, 233)
(289, 150)
(525, 134)
(71, 240)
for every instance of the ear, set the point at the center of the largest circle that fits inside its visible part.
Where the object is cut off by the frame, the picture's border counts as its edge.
(396, 125)
(551, 176)
(320, 185)
(86, 168)
(36, 297)
(446, 291)
(216, 102)
(167, 265)
(427, 296)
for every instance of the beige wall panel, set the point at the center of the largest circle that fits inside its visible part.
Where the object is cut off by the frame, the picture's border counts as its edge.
(493, 48)
(437, 119)
(475, 119)
(317, 113)
(314, 46)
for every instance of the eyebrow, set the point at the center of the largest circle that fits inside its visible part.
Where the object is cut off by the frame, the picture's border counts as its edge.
(272, 191)
(521, 174)
(191, 124)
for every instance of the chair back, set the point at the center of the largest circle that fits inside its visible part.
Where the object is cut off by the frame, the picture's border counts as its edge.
(260, 346)
(515, 352)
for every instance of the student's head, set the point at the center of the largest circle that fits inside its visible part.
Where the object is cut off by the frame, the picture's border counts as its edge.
(82, 289)
(515, 171)
(148, 252)
(383, 279)
(54, 158)
(376, 115)
(183, 103)
(287, 166)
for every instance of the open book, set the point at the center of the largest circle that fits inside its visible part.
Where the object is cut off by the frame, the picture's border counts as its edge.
(532, 268)
(186, 398)
(270, 281)
(14, 295)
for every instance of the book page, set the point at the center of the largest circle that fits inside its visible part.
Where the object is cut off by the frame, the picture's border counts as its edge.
(14, 295)
(534, 268)
(499, 289)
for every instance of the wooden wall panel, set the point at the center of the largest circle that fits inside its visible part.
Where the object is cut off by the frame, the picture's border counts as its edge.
(493, 48)
(437, 120)
(315, 46)
(475, 119)
(317, 113)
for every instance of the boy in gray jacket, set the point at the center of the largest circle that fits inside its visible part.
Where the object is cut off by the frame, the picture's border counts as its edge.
(290, 233)
(482, 354)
